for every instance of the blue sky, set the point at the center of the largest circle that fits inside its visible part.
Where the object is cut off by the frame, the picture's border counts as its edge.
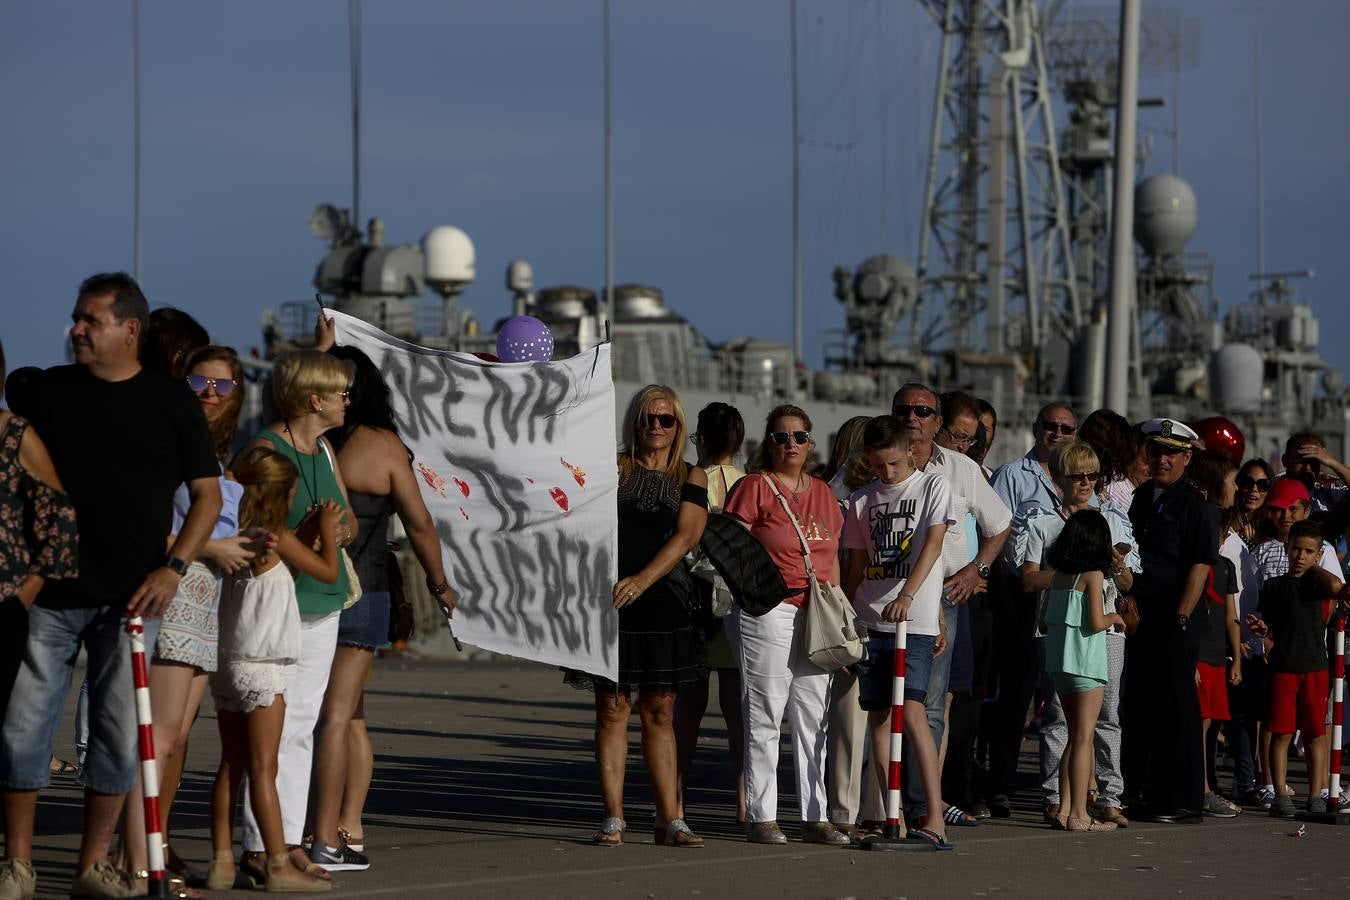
(486, 114)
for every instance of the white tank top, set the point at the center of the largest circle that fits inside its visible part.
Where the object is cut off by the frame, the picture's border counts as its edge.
(260, 618)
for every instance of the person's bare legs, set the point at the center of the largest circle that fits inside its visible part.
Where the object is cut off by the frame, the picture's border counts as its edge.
(1080, 713)
(100, 819)
(225, 790)
(170, 685)
(263, 729)
(729, 698)
(690, 708)
(1318, 765)
(612, 709)
(923, 752)
(345, 683)
(1279, 760)
(20, 809)
(879, 727)
(657, 711)
(360, 770)
(171, 767)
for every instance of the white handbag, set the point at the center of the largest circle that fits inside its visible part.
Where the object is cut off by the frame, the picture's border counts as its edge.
(832, 635)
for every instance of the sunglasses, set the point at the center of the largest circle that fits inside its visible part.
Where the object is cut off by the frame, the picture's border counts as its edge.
(1084, 477)
(902, 411)
(224, 387)
(1060, 427)
(664, 420)
(798, 437)
(1247, 483)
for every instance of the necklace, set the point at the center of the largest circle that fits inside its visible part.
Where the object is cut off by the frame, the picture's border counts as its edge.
(796, 491)
(311, 484)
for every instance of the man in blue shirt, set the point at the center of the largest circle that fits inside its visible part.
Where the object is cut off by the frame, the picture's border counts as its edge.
(1020, 483)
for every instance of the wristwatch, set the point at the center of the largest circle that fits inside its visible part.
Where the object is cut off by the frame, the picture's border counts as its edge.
(437, 589)
(1183, 621)
(175, 564)
(982, 570)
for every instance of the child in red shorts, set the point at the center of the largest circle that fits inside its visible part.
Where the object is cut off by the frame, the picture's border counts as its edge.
(1292, 618)
(1219, 665)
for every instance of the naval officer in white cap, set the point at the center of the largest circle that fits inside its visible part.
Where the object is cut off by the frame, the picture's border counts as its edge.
(1178, 534)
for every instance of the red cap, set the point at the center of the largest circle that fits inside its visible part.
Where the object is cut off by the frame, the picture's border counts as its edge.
(1287, 492)
(1221, 434)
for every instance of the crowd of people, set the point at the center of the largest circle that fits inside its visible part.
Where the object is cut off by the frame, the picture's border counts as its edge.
(1142, 596)
(260, 573)
(1133, 595)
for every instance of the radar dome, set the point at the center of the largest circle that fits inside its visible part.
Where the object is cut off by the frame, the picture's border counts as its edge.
(1235, 378)
(1165, 214)
(449, 257)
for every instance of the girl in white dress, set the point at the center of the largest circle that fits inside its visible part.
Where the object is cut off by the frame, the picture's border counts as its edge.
(259, 637)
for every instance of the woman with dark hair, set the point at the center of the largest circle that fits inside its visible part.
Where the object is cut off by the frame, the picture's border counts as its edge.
(778, 676)
(1253, 483)
(663, 508)
(1215, 474)
(1117, 445)
(720, 434)
(171, 337)
(377, 466)
(1075, 623)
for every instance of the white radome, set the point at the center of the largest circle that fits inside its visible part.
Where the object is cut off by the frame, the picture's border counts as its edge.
(449, 256)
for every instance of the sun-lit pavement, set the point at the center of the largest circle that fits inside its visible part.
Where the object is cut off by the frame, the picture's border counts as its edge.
(485, 787)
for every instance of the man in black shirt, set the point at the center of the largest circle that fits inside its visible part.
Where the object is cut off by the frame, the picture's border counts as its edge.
(1178, 534)
(122, 439)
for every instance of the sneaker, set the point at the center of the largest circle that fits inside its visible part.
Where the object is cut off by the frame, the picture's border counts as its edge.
(1282, 807)
(1317, 805)
(1265, 797)
(823, 833)
(999, 807)
(101, 880)
(17, 880)
(1217, 807)
(764, 833)
(338, 859)
(1110, 814)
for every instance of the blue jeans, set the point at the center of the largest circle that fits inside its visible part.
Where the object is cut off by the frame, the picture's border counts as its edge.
(38, 701)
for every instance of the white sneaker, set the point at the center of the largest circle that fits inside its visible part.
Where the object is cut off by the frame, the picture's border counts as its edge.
(17, 880)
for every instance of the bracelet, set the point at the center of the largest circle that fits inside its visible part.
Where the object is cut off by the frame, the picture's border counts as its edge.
(437, 589)
(906, 594)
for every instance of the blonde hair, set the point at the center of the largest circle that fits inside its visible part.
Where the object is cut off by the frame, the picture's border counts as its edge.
(268, 479)
(1071, 455)
(299, 374)
(632, 427)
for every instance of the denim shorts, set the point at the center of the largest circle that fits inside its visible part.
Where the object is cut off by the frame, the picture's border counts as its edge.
(876, 672)
(38, 701)
(365, 623)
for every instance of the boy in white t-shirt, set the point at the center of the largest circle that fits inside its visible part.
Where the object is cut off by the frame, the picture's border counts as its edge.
(893, 532)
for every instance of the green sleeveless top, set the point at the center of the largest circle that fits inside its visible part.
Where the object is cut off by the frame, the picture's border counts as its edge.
(317, 483)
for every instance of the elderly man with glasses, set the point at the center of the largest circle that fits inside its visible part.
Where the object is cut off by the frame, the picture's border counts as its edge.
(937, 446)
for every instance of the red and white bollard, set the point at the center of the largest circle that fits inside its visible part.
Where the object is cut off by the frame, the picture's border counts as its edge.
(1337, 697)
(893, 837)
(154, 835)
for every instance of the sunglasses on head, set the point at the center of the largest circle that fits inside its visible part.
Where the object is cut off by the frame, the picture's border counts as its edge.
(902, 410)
(798, 437)
(664, 420)
(223, 386)
(1247, 483)
(1052, 427)
(1085, 477)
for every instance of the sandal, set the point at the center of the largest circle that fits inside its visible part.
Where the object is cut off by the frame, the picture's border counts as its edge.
(1089, 824)
(223, 876)
(610, 833)
(676, 834)
(932, 837)
(61, 767)
(957, 816)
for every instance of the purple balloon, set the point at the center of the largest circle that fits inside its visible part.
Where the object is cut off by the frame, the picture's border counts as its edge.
(524, 339)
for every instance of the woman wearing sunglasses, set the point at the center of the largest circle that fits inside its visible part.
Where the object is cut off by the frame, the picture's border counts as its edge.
(663, 507)
(776, 675)
(1253, 487)
(184, 647)
(1249, 702)
(1076, 471)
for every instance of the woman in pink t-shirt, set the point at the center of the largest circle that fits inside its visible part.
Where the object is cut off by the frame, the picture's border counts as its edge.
(777, 676)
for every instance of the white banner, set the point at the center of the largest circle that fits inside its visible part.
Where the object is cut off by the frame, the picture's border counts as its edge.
(516, 464)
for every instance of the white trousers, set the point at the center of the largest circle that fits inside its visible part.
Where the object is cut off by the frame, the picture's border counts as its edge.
(777, 677)
(306, 682)
(849, 744)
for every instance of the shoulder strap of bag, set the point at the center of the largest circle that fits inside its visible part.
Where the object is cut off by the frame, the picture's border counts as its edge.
(806, 549)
